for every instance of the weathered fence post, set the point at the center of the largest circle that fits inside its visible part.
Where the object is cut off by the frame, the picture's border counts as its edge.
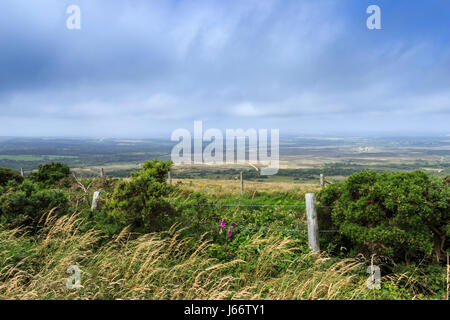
(169, 176)
(94, 200)
(322, 181)
(22, 173)
(313, 225)
(242, 184)
(102, 173)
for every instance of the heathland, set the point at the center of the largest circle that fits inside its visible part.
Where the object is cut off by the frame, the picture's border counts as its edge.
(200, 238)
(302, 159)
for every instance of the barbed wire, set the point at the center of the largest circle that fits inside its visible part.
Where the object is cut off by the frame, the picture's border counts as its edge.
(241, 205)
(283, 230)
(256, 205)
(244, 205)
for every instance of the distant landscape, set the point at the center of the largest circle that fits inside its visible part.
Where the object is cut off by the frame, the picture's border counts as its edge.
(302, 159)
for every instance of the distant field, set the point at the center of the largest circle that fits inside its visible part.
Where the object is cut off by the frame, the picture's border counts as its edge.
(302, 159)
(27, 157)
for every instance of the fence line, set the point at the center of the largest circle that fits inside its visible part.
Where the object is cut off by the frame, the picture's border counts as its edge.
(322, 180)
(312, 223)
(310, 206)
(311, 218)
(243, 205)
(236, 205)
(284, 230)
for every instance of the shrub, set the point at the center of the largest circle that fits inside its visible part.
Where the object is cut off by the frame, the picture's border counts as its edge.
(50, 173)
(400, 215)
(24, 204)
(8, 174)
(139, 202)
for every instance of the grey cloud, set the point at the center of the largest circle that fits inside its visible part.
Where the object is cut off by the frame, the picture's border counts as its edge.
(139, 67)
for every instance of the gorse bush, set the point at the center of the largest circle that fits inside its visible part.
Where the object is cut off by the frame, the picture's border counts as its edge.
(50, 173)
(24, 204)
(8, 174)
(400, 215)
(140, 202)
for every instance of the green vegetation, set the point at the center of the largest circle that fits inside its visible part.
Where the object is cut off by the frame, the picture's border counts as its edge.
(7, 175)
(140, 201)
(23, 205)
(150, 240)
(49, 174)
(404, 216)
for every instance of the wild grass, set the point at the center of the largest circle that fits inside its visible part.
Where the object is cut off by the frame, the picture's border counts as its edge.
(233, 187)
(166, 266)
(177, 264)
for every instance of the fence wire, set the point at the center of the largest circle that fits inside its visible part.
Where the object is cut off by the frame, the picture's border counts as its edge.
(243, 205)
(282, 230)
(259, 206)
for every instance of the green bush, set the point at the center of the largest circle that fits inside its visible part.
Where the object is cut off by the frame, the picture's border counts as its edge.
(8, 174)
(50, 173)
(400, 215)
(24, 204)
(139, 201)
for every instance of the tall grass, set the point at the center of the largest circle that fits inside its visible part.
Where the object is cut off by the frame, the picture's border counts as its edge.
(166, 266)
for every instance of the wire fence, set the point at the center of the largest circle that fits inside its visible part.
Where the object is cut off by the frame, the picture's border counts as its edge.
(284, 230)
(309, 206)
(240, 205)
(243, 205)
(303, 206)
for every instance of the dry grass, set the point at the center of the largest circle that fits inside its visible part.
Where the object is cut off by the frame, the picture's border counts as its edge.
(233, 187)
(164, 266)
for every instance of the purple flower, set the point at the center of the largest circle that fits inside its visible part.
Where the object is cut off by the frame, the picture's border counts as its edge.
(230, 233)
(233, 225)
(222, 224)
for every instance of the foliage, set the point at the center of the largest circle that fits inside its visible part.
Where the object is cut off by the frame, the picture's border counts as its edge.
(200, 258)
(399, 215)
(24, 204)
(166, 265)
(50, 173)
(140, 201)
(8, 174)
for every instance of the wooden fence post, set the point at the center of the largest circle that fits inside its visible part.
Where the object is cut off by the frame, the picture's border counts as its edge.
(313, 225)
(169, 176)
(94, 200)
(242, 184)
(102, 173)
(22, 173)
(322, 181)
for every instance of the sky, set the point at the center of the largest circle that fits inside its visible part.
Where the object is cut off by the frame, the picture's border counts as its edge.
(142, 69)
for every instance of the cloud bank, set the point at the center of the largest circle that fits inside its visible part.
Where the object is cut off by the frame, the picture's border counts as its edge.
(144, 68)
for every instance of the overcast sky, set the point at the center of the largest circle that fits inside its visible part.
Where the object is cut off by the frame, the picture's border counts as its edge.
(144, 68)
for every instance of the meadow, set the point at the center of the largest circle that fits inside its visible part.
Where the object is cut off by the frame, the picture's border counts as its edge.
(196, 239)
